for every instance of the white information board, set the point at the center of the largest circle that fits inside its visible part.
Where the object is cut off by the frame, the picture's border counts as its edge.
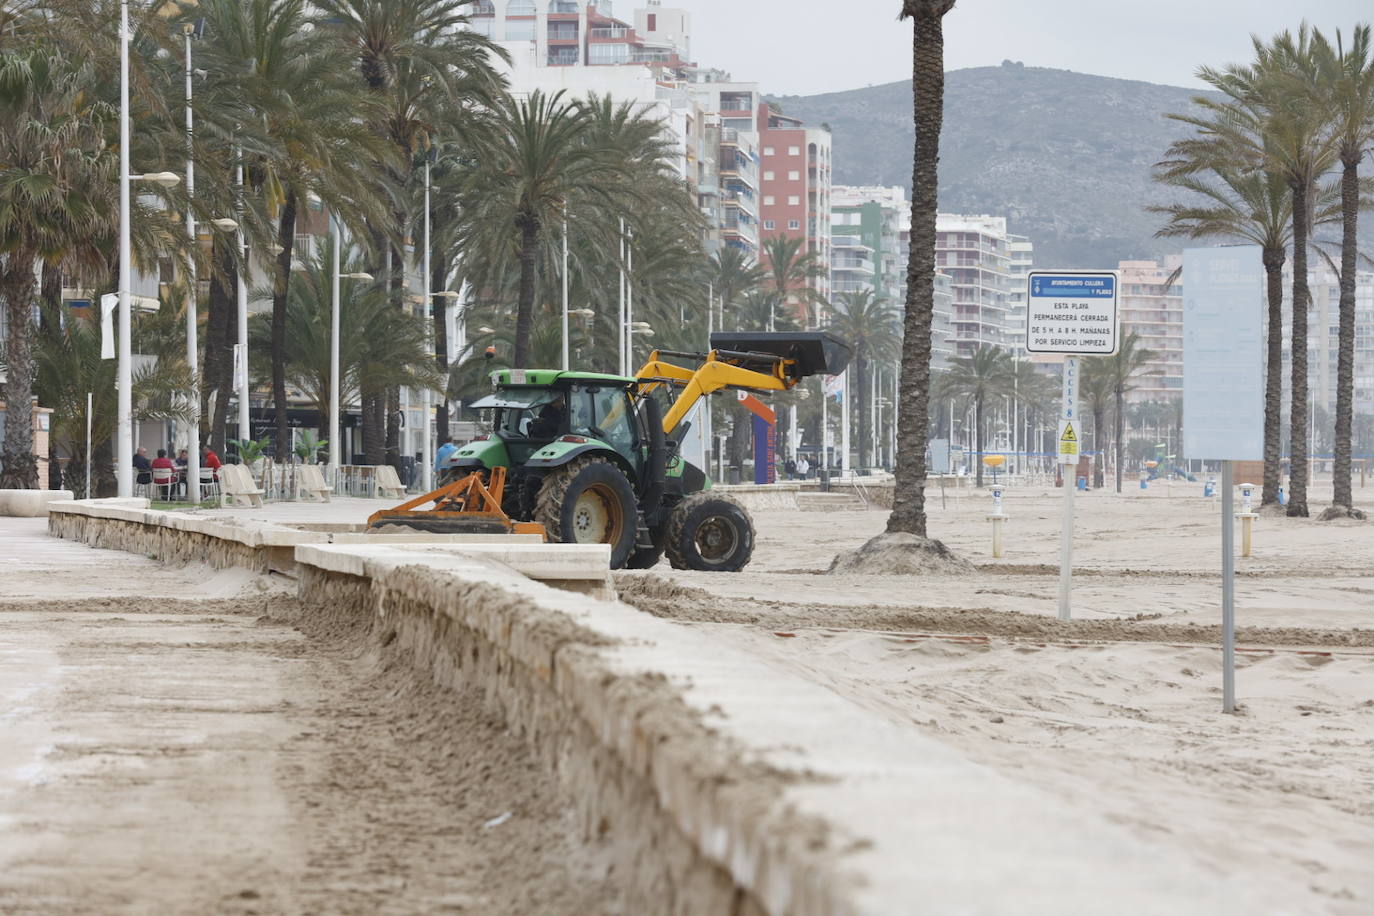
(1223, 353)
(1073, 312)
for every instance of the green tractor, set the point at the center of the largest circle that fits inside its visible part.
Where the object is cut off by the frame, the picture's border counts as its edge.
(584, 457)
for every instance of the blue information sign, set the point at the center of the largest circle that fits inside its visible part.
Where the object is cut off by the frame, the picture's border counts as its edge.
(1072, 312)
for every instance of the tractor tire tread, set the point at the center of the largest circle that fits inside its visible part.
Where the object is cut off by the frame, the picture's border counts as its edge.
(674, 540)
(548, 507)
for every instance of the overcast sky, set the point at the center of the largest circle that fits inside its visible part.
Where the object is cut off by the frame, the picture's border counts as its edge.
(808, 46)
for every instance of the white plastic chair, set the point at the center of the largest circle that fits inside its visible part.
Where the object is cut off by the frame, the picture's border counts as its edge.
(209, 486)
(165, 479)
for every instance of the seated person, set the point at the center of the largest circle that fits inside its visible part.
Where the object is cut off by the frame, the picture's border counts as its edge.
(182, 459)
(549, 420)
(162, 462)
(143, 466)
(209, 459)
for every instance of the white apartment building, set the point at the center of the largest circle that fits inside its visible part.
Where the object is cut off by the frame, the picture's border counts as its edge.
(1022, 261)
(976, 253)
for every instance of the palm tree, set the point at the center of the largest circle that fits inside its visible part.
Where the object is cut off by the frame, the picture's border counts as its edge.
(732, 273)
(1267, 121)
(928, 91)
(377, 344)
(1346, 91)
(56, 177)
(70, 368)
(791, 272)
(984, 373)
(1252, 206)
(1122, 369)
(871, 327)
(1097, 386)
(538, 157)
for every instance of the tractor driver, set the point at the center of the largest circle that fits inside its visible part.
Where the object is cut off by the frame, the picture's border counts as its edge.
(549, 420)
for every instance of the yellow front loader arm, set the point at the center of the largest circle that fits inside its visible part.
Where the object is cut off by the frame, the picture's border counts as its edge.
(711, 376)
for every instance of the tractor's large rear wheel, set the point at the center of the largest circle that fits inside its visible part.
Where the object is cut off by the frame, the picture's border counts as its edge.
(711, 533)
(589, 502)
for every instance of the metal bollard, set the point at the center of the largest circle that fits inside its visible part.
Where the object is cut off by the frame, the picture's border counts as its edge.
(997, 517)
(1247, 516)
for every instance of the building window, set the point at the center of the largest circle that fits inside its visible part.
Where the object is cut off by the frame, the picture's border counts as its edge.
(520, 30)
(769, 224)
(794, 176)
(794, 151)
(794, 201)
(520, 8)
(768, 200)
(794, 224)
(652, 22)
(768, 151)
(608, 53)
(768, 176)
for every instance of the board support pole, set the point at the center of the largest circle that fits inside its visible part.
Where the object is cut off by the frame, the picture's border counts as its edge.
(1069, 412)
(1228, 589)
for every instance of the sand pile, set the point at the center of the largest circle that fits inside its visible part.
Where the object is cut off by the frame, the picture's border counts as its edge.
(898, 554)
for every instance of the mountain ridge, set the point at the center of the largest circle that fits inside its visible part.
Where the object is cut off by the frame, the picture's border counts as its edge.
(1065, 156)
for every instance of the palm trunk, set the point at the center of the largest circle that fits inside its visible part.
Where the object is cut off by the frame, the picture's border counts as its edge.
(978, 440)
(1297, 412)
(373, 408)
(1099, 472)
(524, 315)
(51, 293)
(1345, 358)
(928, 100)
(1120, 414)
(220, 335)
(395, 273)
(440, 307)
(1273, 378)
(19, 288)
(861, 366)
(286, 238)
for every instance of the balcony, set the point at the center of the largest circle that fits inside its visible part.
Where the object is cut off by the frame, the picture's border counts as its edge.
(860, 265)
(563, 56)
(609, 33)
(559, 31)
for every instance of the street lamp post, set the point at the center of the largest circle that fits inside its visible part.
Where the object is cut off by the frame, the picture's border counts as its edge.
(334, 406)
(125, 451)
(565, 289)
(124, 445)
(192, 360)
(241, 294)
(426, 436)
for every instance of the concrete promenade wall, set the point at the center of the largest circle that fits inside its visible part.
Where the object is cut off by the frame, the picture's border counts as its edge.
(720, 783)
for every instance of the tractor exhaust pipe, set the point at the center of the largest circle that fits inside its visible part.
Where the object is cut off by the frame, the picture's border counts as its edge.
(652, 497)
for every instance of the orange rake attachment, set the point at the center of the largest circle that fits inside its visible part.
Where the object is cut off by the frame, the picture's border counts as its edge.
(468, 505)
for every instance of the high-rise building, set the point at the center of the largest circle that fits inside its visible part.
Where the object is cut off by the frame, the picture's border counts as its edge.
(733, 141)
(569, 33)
(976, 253)
(876, 217)
(1022, 260)
(1152, 308)
(1323, 340)
(795, 184)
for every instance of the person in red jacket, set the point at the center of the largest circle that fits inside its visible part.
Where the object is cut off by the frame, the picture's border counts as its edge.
(162, 462)
(209, 459)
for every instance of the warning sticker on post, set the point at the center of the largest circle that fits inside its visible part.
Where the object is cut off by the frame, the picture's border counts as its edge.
(1068, 442)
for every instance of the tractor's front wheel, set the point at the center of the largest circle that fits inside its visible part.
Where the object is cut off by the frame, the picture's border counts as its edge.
(589, 502)
(710, 533)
